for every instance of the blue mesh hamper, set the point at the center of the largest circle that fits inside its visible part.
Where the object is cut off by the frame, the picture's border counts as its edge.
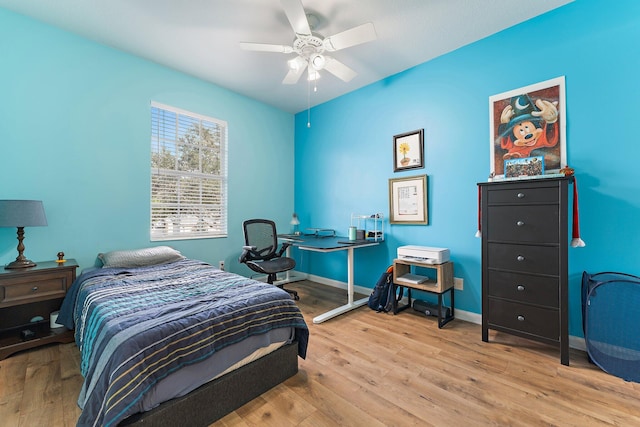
(611, 320)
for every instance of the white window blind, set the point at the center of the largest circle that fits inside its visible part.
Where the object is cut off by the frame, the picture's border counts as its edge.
(188, 175)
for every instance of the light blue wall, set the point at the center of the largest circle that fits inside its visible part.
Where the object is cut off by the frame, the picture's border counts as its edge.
(75, 132)
(344, 161)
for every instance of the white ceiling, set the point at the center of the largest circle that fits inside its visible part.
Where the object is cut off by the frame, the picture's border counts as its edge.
(201, 37)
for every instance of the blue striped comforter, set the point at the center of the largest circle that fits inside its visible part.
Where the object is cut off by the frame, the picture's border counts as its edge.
(136, 326)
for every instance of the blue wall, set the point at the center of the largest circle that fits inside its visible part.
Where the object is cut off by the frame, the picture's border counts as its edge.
(75, 129)
(344, 161)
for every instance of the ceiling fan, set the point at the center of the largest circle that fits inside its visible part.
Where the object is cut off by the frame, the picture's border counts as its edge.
(311, 47)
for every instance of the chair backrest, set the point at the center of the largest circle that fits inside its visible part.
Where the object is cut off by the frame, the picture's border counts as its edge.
(262, 234)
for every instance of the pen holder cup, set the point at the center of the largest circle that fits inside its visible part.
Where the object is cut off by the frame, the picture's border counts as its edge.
(352, 233)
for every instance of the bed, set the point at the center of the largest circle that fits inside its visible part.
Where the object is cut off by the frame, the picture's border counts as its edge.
(165, 339)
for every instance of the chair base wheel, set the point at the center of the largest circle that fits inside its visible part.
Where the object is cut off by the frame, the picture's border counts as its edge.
(294, 294)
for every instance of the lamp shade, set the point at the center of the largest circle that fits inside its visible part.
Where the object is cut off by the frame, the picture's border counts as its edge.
(294, 219)
(22, 213)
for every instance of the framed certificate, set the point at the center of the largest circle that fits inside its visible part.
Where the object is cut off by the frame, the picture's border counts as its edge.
(408, 200)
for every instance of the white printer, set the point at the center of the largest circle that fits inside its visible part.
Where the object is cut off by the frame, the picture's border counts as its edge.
(423, 254)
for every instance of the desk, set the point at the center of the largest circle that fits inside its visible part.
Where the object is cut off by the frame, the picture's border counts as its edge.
(332, 244)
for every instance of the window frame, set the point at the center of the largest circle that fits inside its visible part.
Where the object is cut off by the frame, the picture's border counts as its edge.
(201, 197)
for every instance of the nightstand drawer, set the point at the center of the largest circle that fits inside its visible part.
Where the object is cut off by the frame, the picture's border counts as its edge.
(543, 291)
(518, 194)
(542, 322)
(524, 258)
(33, 288)
(523, 224)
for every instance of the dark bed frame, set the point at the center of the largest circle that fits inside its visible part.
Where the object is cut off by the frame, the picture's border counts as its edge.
(219, 397)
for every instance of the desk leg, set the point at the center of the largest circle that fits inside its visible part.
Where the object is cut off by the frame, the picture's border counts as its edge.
(350, 291)
(350, 276)
(289, 275)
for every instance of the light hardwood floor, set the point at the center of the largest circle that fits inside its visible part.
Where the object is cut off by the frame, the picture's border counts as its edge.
(374, 369)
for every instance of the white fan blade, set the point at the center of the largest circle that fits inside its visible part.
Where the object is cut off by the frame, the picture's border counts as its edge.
(296, 16)
(293, 76)
(338, 69)
(265, 47)
(355, 36)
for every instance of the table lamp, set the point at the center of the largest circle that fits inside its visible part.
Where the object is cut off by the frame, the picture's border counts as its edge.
(21, 214)
(295, 224)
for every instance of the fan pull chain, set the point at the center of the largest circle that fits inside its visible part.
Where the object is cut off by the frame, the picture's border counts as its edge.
(308, 103)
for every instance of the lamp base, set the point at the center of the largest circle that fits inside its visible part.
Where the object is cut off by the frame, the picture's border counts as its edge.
(23, 263)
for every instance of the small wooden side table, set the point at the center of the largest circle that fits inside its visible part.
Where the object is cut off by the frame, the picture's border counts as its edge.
(443, 283)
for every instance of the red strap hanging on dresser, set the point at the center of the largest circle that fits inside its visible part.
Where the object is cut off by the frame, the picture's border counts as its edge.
(576, 241)
(479, 232)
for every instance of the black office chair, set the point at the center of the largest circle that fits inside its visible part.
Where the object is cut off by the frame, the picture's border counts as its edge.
(261, 253)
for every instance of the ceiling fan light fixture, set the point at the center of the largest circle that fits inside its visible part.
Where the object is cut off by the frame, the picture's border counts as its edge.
(317, 62)
(312, 75)
(296, 63)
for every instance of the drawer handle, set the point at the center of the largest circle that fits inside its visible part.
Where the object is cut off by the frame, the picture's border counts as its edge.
(520, 195)
(520, 258)
(521, 318)
(34, 289)
(520, 223)
(520, 288)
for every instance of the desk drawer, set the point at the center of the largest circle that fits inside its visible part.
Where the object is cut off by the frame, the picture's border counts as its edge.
(538, 321)
(523, 224)
(524, 258)
(33, 288)
(544, 291)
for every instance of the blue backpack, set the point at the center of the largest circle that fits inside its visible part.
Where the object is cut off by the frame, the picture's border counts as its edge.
(383, 294)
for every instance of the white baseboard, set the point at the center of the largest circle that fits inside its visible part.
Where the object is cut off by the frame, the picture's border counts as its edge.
(338, 284)
(468, 316)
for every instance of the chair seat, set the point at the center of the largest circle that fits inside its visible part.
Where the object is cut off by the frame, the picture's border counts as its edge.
(271, 266)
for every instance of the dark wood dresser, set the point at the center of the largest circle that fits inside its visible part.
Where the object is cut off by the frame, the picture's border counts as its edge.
(28, 293)
(524, 260)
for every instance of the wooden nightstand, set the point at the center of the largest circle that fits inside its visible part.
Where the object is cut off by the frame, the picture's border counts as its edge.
(30, 292)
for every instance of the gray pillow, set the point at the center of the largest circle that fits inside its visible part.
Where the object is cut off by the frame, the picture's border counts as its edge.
(140, 257)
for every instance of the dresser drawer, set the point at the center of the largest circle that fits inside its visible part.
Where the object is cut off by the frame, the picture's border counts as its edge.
(538, 321)
(544, 291)
(518, 194)
(20, 290)
(525, 224)
(524, 258)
